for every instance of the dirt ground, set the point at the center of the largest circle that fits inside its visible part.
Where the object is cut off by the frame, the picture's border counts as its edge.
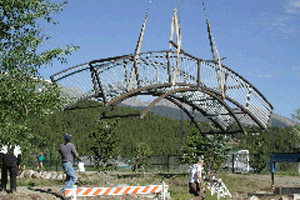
(52, 193)
(257, 183)
(261, 184)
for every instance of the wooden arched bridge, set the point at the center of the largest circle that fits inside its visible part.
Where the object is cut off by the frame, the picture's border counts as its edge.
(195, 85)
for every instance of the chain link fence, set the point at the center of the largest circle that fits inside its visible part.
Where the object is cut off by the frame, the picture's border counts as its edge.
(166, 163)
(236, 162)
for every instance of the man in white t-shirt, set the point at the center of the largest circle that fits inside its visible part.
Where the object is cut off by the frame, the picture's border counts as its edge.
(195, 177)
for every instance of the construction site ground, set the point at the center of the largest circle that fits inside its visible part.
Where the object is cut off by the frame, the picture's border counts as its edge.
(238, 184)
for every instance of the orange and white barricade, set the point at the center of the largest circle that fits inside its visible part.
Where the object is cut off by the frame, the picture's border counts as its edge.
(84, 192)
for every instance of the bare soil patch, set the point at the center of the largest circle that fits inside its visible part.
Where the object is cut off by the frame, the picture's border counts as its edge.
(239, 185)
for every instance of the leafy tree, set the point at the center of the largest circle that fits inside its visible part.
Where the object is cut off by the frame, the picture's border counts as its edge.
(259, 154)
(21, 103)
(296, 115)
(103, 143)
(214, 148)
(142, 156)
(24, 96)
(260, 145)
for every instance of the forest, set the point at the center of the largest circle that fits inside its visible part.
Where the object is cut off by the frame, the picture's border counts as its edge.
(163, 136)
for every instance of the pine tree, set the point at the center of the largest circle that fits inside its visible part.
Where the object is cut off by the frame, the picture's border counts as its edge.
(214, 148)
(103, 143)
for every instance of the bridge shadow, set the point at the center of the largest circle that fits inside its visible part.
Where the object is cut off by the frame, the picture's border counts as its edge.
(48, 191)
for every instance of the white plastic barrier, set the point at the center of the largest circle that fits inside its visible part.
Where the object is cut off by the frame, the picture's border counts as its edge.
(84, 192)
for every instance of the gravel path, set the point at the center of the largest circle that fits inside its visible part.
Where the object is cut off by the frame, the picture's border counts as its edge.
(265, 180)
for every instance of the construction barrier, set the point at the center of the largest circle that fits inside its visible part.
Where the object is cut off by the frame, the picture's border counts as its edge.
(84, 192)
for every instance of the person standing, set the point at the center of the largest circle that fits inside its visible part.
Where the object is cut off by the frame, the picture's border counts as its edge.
(68, 152)
(11, 163)
(40, 160)
(195, 178)
(2, 154)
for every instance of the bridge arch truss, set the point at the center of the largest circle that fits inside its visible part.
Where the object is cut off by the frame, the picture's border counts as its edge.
(197, 88)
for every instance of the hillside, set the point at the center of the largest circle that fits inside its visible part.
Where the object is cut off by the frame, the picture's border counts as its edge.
(167, 109)
(164, 129)
(163, 135)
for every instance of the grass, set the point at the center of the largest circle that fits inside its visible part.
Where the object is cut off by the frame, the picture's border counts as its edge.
(233, 183)
(178, 184)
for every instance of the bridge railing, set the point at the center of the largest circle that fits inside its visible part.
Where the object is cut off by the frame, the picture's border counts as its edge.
(108, 78)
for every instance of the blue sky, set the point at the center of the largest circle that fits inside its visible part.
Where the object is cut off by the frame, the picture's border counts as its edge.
(260, 39)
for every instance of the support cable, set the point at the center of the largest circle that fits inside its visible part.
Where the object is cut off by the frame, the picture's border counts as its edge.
(215, 52)
(134, 71)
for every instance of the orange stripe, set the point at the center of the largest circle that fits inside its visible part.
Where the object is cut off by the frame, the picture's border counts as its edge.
(97, 191)
(78, 190)
(126, 191)
(67, 192)
(146, 188)
(135, 190)
(87, 191)
(154, 189)
(117, 190)
(107, 191)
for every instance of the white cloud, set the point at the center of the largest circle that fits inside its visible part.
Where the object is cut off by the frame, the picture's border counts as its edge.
(292, 7)
(268, 25)
(258, 74)
(264, 75)
(295, 71)
(289, 30)
(286, 22)
(296, 68)
(284, 18)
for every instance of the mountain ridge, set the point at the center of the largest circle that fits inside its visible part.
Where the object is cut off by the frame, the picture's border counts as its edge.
(168, 109)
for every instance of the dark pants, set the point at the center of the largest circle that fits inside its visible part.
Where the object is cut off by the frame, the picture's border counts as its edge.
(13, 177)
(197, 190)
(194, 188)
